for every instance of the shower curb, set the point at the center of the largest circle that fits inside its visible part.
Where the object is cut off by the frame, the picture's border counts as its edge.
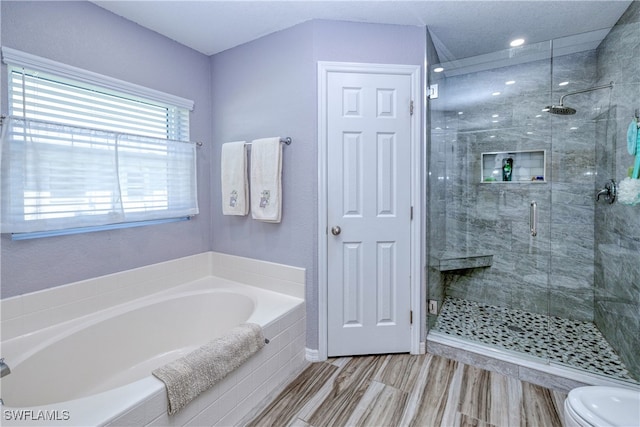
(524, 368)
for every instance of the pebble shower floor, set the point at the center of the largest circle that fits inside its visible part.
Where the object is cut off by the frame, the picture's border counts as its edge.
(574, 343)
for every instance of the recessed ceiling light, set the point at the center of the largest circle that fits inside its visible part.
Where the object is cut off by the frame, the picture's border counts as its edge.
(492, 136)
(516, 42)
(573, 128)
(494, 121)
(510, 82)
(563, 83)
(495, 93)
(438, 70)
(539, 115)
(460, 112)
(495, 115)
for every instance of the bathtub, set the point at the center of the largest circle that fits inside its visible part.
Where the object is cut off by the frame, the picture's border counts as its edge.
(95, 369)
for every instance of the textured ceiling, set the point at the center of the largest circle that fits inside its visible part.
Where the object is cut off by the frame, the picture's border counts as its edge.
(461, 28)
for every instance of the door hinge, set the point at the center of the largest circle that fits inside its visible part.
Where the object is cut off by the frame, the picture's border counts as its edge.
(433, 92)
(411, 317)
(411, 214)
(411, 108)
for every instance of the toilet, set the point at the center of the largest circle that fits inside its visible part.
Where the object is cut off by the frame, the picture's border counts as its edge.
(599, 406)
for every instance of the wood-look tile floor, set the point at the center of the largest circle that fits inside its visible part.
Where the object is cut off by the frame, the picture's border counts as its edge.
(406, 390)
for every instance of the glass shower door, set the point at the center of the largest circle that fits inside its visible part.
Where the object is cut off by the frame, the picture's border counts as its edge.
(594, 311)
(522, 257)
(490, 199)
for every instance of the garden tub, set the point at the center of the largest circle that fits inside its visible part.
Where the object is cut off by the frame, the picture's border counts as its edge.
(96, 369)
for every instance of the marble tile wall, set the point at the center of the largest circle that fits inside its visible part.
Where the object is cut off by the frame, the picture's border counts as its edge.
(617, 227)
(494, 217)
(584, 264)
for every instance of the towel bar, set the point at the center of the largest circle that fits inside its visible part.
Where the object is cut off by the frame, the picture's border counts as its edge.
(286, 141)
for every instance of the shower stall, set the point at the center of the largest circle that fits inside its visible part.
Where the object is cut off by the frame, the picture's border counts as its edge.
(523, 256)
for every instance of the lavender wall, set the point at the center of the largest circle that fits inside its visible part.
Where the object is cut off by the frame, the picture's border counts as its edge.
(84, 35)
(268, 87)
(263, 88)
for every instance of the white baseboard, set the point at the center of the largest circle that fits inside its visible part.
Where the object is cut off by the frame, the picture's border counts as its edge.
(312, 355)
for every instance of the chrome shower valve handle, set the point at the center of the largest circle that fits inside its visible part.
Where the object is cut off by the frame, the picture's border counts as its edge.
(609, 192)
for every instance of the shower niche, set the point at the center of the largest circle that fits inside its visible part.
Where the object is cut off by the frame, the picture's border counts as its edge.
(513, 166)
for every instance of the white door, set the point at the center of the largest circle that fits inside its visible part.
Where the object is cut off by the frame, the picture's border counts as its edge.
(368, 213)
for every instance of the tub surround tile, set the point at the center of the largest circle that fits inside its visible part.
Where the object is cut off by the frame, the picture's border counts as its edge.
(11, 308)
(268, 275)
(29, 312)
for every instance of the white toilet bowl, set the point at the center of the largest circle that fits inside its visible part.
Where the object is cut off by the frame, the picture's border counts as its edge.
(597, 406)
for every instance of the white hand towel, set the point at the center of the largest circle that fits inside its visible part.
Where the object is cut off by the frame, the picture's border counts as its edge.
(235, 190)
(266, 182)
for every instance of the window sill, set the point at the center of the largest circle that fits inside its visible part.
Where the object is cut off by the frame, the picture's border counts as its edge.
(81, 230)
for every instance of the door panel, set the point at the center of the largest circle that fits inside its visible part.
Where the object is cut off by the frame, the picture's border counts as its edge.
(369, 199)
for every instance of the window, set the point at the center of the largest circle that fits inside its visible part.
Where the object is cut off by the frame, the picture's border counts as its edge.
(76, 153)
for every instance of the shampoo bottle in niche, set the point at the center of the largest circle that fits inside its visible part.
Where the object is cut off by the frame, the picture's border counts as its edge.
(507, 169)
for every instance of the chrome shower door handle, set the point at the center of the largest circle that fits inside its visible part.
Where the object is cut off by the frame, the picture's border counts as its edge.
(533, 218)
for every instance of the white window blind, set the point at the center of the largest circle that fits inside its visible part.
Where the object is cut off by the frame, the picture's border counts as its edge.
(78, 155)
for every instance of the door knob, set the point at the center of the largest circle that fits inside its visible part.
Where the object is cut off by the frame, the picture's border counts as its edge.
(335, 230)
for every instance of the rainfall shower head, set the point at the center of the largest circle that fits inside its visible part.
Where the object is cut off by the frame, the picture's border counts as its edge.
(560, 109)
(563, 110)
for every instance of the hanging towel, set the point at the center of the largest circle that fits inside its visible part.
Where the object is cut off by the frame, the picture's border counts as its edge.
(266, 182)
(633, 146)
(233, 167)
(632, 137)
